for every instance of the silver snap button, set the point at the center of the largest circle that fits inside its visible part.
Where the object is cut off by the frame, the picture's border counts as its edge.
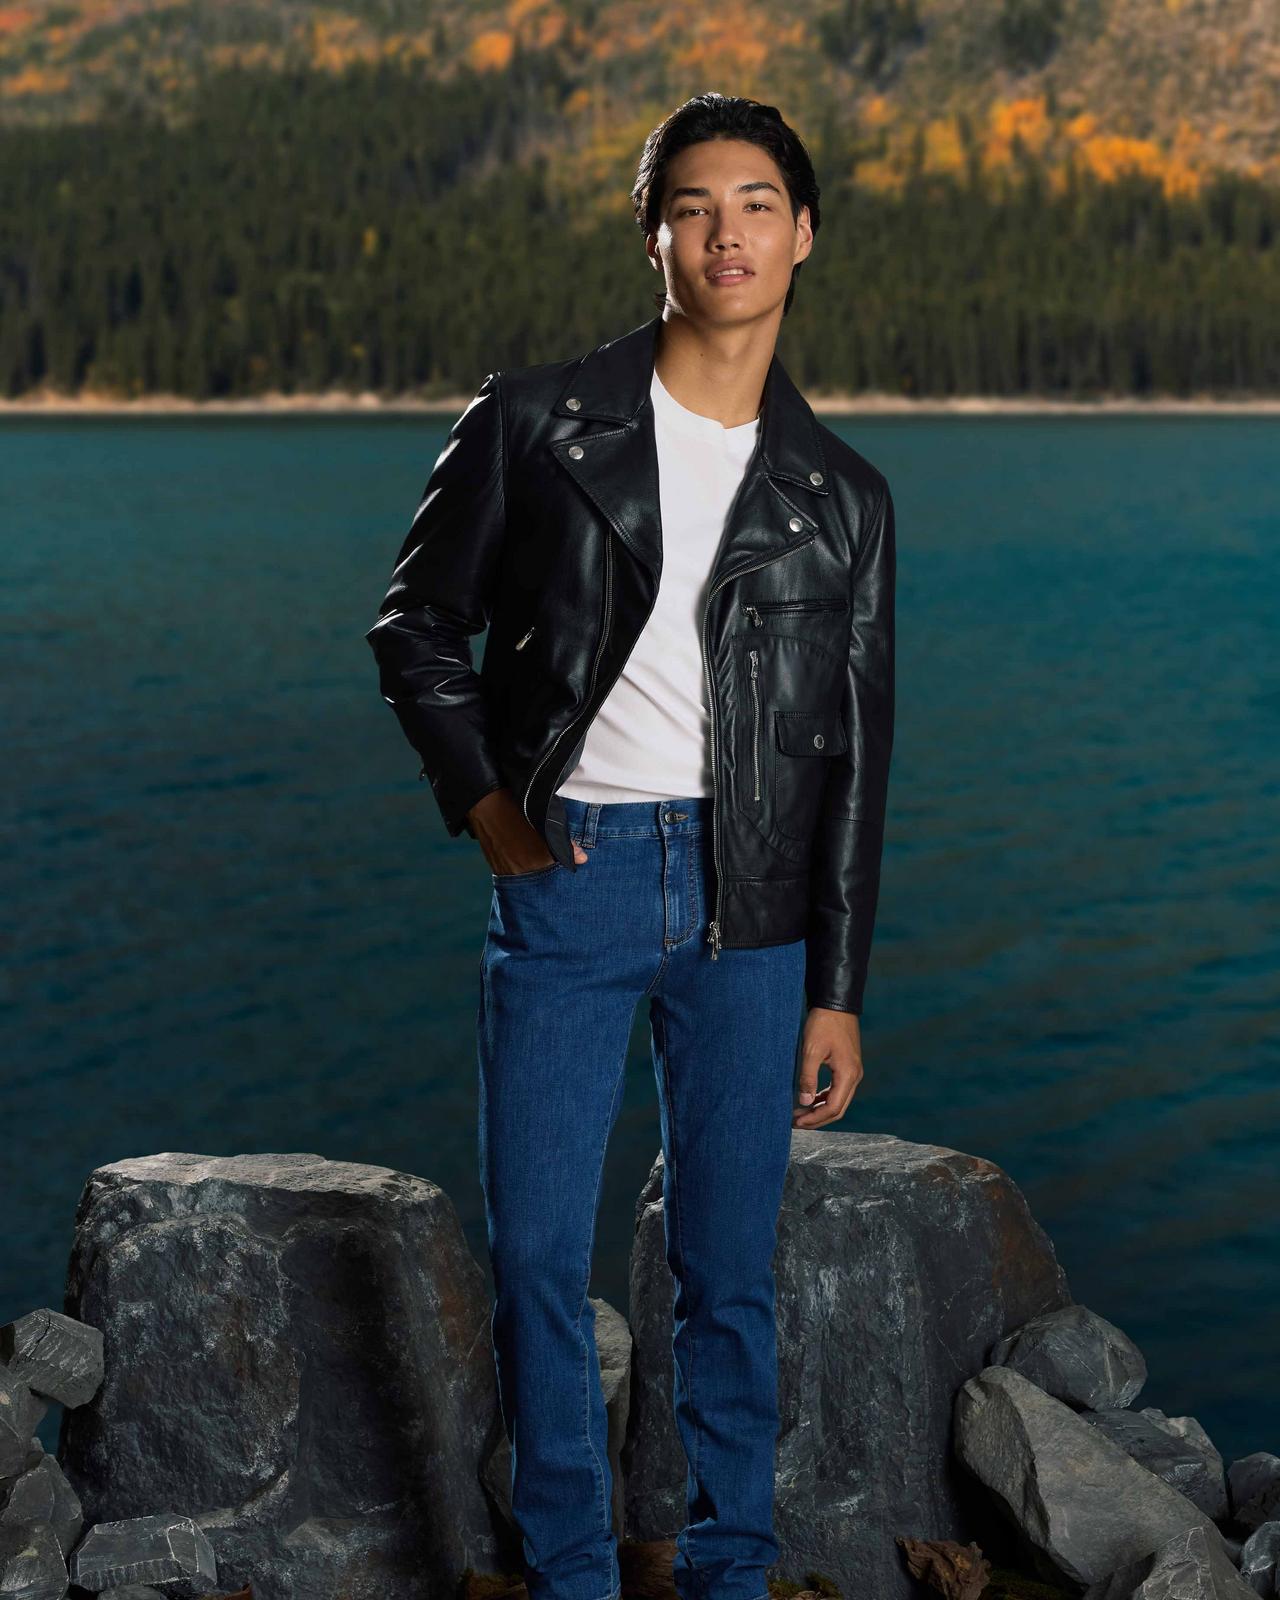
(573, 403)
(575, 450)
(795, 524)
(817, 739)
(815, 477)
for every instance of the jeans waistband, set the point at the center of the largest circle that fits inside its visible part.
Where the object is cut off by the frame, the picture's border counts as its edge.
(589, 820)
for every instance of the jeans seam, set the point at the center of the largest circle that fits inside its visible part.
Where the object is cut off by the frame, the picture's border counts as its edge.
(606, 1518)
(686, 1533)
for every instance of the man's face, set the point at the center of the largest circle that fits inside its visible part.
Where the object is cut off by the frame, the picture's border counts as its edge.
(725, 203)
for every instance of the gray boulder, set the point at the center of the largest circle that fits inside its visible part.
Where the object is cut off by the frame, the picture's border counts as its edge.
(296, 1354)
(164, 1548)
(897, 1266)
(1180, 1460)
(42, 1494)
(31, 1565)
(1082, 1505)
(1254, 1485)
(54, 1355)
(1189, 1566)
(1076, 1356)
(20, 1414)
(1260, 1560)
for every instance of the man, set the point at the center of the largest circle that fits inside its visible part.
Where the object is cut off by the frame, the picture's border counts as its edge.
(675, 760)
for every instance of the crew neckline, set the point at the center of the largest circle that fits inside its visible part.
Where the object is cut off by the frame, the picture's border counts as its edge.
(694, 422)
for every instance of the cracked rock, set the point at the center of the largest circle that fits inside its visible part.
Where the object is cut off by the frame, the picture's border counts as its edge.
(1254, 1483)
(1083, 1506)
(31, 1565)
(42, 1494)
(1189, 1566)
(164, 1548)
(54, 1355)
(1181, 1460)
(1076, 1356)
(20, 1414)
(1260, 1559)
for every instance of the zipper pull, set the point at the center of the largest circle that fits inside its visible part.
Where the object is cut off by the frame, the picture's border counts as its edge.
(755, 658)
(520, 643)
(713, 935)
(755, 617)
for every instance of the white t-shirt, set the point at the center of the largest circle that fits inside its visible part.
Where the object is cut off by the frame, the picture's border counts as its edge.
(651, 738)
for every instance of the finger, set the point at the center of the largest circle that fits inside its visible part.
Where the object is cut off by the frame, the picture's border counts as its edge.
(811, 1058)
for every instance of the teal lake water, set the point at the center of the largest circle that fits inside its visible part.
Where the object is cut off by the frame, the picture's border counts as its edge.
(234, 920)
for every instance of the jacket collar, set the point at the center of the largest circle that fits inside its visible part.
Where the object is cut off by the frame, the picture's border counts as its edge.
(612, 382)
(617, 468)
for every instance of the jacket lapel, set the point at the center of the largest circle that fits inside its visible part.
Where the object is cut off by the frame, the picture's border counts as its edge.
(617, 468)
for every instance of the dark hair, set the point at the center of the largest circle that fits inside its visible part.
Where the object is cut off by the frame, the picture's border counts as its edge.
(719, 116)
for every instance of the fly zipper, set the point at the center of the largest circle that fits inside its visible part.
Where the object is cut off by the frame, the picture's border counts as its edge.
(755, 727)
(755, 608)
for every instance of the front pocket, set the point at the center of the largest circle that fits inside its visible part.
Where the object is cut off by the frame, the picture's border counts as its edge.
(802, 741)
(528, 877)
(757, 610)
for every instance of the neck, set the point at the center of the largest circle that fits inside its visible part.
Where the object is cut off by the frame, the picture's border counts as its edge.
(716, 372)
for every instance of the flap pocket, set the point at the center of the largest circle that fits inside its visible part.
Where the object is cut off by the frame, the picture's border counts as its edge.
(810, 733)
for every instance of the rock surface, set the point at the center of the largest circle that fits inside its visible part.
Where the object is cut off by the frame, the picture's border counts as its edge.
(296, 1354)
(1077, 1356)
(898, 1266)
(1083, 1505)
(1189, 1566)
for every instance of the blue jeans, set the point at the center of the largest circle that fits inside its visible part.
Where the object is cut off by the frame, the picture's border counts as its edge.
(567, 956)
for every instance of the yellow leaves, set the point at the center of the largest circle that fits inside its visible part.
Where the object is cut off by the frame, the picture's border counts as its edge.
(35, 81)
(1025, 120)
(943, 151)
(369, 242)
(1180, 166)
(538, 24)
(876, 111)
(492, 50)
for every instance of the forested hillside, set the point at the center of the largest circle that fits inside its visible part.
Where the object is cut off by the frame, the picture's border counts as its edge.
(1063, 197)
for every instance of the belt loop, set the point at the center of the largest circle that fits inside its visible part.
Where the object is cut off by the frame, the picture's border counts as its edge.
(589, 824)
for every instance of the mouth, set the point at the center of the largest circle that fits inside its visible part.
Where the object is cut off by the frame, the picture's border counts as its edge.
(734, 274)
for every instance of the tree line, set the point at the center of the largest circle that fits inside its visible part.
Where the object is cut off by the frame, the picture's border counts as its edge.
(368, 232)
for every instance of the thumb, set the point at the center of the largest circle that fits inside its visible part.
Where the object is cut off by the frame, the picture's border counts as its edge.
(808, 1082)
(579, 854)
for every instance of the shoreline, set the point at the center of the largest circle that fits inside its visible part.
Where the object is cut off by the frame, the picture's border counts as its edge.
(342, 403)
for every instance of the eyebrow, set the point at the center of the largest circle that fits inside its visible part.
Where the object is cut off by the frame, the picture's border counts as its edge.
(743, 188)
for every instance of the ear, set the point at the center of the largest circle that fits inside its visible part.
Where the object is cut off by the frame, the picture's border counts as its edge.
(804, 235)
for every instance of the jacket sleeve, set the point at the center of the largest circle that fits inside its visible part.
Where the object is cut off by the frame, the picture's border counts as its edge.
(441, 593)
(845, 865)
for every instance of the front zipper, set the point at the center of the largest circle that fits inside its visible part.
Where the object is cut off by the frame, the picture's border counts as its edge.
(520, 643)
(713, 930)
(755, 726)
(754, 608)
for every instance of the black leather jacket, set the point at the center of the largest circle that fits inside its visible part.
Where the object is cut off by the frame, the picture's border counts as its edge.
(540, 521)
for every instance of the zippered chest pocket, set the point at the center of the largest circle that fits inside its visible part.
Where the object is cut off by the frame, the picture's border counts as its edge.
(757, 610)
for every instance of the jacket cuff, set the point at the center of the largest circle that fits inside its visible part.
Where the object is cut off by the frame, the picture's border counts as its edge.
(844, 887)
(454, 805)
